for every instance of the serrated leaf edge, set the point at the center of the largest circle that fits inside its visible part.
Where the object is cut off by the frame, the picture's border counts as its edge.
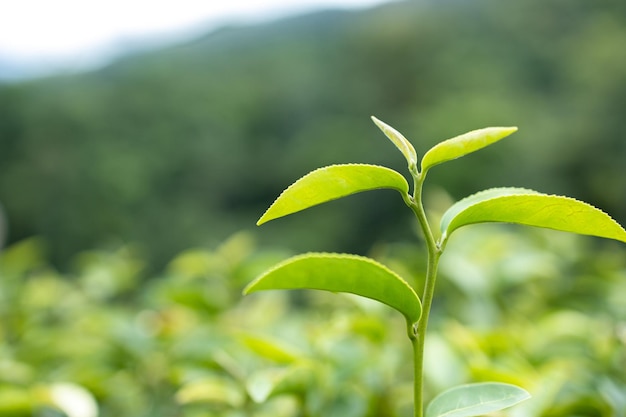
(511, 130)
(249, 288)
(522, 191)
(332, 255)
(286, 190)
(525, 192)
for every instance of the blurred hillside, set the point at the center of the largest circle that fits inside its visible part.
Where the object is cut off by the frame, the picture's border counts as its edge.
(186, 145)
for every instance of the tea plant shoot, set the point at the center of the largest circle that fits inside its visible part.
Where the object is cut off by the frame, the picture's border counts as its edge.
(367, 278)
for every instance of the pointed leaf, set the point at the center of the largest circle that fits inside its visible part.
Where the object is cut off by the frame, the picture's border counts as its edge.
(261, 384)
(478, 197)
(270, 349)
(527, 207)
(400, 141)
(462, 145)
(267, 383)
(475, 400)
(330, 183)
(342, 273)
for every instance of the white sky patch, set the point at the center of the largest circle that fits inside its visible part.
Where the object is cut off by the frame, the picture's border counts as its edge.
(36, 29)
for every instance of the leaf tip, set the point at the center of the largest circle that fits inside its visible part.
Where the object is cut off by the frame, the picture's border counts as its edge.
(248, 288)
(399, 141)
(376, 121)
(266, 217)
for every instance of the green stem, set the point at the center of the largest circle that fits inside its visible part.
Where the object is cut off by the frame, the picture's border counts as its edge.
(419, 334)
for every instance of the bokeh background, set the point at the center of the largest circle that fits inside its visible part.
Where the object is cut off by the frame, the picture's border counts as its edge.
(109, 177)
(186, 145)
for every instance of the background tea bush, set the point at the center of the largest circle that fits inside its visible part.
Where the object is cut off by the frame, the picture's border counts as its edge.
(164, 148)
(536, 308)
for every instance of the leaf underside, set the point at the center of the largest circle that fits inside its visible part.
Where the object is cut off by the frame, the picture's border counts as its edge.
(330, 183)
(399, 140)
(475, 399)
(463, 144)
(342, 273)
(527, 207)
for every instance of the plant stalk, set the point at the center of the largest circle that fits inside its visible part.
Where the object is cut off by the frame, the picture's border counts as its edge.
(418, 339)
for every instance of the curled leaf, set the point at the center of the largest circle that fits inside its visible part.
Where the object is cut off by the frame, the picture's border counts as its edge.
(463, 144)
(400, 141)
(527, 207)
(330, 183)
(342, 273)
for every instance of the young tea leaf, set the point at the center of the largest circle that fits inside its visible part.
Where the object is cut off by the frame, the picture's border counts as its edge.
(478, 197)
(400, 141)
(330, 183)
(527, 207)
(462, 145)
(475, 400)
(342, 273)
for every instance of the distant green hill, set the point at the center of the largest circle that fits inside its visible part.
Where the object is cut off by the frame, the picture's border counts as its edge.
(186, 145)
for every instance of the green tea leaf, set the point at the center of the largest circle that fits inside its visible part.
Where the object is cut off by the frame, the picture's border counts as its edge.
(478, 197)
(462, 145)
(261, 384)
(267, 383)
(527, 207)
(212, 389)
(270, 349)
(342, 273)
(400, 141)
(475, 400)
(330, 183)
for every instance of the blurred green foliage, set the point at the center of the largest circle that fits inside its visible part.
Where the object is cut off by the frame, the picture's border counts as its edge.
(536, 308)
(186, 145)
(182, 147)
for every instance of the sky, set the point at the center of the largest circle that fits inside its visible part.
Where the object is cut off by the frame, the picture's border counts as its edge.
(43, 35)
